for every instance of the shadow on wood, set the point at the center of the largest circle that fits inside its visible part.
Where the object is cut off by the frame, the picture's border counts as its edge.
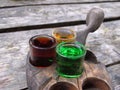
(63, 86)
(95, 84)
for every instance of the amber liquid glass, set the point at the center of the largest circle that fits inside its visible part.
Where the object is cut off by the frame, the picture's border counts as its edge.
(42, 50)
(64, 35)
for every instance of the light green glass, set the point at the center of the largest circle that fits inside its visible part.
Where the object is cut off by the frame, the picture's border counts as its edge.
(70, 58)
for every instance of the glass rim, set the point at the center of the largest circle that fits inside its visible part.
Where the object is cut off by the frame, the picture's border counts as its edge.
(63, 38)
(73, 57)
(42, 35)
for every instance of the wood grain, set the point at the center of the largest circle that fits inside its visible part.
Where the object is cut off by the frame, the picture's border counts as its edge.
(99, 71)
(14, 49)
(114, 72)
(73, 81)
(42, 15)
(11, 3)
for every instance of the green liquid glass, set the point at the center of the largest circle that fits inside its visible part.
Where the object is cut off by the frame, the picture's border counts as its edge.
(70, 58)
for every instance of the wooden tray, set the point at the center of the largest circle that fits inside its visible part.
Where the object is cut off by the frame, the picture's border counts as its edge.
(95, 74)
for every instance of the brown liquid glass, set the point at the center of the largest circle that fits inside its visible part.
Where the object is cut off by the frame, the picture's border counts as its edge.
(42, 50)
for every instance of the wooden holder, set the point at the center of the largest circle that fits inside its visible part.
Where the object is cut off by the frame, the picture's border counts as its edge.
(94, 77)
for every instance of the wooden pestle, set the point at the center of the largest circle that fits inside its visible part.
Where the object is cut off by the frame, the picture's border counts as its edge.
(94, 19)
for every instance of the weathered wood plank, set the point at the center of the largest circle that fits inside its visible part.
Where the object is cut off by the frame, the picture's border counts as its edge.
(14, 48)
(7, 3)
(106, 41)
(40, 15)
(114, 71)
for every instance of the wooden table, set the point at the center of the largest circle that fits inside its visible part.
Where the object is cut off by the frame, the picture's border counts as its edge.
(22, 19)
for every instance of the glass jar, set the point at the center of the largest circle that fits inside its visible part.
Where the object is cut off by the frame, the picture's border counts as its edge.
(70, 58)
(64, 35)
(42, 50)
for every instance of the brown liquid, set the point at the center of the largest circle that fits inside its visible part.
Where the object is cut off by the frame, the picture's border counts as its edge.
(43, 42)
(42, 51)
(41, 62)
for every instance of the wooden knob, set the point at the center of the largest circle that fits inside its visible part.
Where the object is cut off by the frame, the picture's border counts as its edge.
(94, 19)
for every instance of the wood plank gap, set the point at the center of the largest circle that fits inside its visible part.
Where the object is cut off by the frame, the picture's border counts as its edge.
(111, 19)
(24, 88)
(35, 74)
(52, 25)
(111, 64)
(45, 83)
(90, 67)
(116, 52)
(14, 6)
(57, 78)
(78, 84)
(86, 74)
(44, 26)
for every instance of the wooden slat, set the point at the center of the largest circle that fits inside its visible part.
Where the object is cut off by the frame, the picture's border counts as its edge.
(114, 71)
(101, 68)
(8, 3)
(106, 42)
(40, 15)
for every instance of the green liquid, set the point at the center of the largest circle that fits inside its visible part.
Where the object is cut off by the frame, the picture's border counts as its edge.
(70, 60)
(69, 69)
(70, 51)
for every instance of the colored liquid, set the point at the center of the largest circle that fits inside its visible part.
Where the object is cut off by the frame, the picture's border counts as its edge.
(70, 51)
(42, 61)
(42, 50)
(43, 42)
(68, 68)
(64, 35)
(70, 60)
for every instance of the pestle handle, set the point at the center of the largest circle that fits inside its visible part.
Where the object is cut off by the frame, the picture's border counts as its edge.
(94, 19)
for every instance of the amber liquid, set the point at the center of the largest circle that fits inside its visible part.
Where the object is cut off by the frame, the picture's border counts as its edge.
(64, 35)
(42, 51)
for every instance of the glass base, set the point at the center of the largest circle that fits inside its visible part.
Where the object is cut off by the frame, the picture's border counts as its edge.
(69, 76)
(40, 64)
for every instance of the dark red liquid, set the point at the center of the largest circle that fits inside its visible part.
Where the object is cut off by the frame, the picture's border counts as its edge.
(41, 62)
(43, 42)
(42, 50)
